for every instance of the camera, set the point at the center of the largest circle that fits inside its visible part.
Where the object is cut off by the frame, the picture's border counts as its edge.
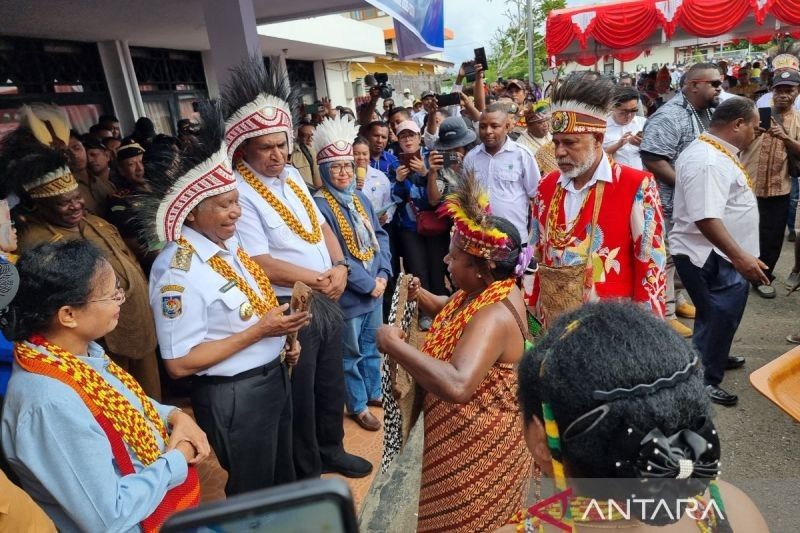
(380, 80)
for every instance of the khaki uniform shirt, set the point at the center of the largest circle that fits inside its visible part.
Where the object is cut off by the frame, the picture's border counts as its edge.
(18, 512)
(309, 170)
(95, 193)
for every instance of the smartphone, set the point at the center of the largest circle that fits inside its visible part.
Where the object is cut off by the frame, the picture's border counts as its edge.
(405, 159)
(765, 117)
(469, 71)
(313, 505)
(312, 109)
(480, 57)
(444, 100)
(450, 159)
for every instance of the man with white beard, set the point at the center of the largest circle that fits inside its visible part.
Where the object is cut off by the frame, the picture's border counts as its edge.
(598, 228)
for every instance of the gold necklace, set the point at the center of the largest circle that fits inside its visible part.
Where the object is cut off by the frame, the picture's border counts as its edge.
(560, 238)
(312, 237)
(346, 229)
(255, 302)
(730, 156)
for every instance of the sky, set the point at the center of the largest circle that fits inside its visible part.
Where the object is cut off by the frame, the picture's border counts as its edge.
(475, 21)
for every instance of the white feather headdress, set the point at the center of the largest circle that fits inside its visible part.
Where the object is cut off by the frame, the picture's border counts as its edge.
(333, 140)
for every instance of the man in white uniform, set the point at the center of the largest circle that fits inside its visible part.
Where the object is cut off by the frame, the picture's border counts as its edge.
(504, 168)
(285, 233)
(217, 317)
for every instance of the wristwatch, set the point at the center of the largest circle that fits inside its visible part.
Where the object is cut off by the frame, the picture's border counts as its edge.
(343, 262)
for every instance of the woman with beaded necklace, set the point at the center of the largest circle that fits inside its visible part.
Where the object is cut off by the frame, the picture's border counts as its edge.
(85, 441)
(605, 428)
(475, 469)
(366, 248)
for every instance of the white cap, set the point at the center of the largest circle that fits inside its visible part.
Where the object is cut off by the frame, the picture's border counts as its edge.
(406, 91)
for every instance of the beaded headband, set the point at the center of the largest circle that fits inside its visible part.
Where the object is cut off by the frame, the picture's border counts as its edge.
(55, 183)
(572, 116)
(264, 115)
(211, 177)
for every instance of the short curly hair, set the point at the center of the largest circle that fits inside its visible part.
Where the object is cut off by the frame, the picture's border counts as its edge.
(51, 276)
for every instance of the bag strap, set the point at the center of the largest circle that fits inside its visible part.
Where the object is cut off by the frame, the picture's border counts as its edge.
(522, 327)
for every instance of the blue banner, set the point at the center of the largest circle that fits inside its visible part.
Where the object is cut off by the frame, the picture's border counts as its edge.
(418, 25)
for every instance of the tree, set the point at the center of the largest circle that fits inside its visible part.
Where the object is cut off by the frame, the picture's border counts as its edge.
(509, 44)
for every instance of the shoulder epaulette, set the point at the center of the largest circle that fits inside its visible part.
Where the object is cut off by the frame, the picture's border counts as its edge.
(182, 260)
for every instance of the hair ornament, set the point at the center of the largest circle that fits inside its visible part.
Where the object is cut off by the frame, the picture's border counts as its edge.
(648, 388)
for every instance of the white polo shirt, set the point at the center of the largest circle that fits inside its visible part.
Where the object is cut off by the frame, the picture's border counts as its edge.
(709, 185)
(262, 230)
(628, 154)
(511, 176)
(197, 306)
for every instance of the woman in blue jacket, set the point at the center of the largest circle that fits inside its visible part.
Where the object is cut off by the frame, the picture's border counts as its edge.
(366, 247)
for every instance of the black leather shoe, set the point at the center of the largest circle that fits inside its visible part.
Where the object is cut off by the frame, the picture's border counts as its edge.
(734, 361)
(348, 465)
(718, 395)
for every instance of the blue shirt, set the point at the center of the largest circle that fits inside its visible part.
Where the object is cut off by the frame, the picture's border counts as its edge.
(412, 191)
(64, 459)
(356, 299)
(386, 163)
(6, 358)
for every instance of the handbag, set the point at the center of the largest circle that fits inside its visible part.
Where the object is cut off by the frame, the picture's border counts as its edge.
(429, 223)
(561, 288)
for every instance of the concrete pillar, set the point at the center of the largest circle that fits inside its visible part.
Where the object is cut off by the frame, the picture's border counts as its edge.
(211, 75)
(233, 37)
(122, 83)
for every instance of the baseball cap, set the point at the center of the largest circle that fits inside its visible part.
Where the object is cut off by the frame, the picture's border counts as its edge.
(786, 77)
(426, 94)
(407, 125)
(406, 91)
(90, 143)
(516, 83)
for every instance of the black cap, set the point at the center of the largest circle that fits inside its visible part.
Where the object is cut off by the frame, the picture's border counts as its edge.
(786, 77)
(129, 148)
(426, 94)
(90, 143)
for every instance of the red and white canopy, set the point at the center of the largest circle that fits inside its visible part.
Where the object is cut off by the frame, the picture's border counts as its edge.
(627, 28)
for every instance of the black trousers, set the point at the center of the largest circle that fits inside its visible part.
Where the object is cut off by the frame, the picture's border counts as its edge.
(318, 394)
(424, 258)
(773, 214)
(249, 425)
(719, 294)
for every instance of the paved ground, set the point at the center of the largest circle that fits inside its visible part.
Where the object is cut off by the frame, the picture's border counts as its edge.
(760, 443)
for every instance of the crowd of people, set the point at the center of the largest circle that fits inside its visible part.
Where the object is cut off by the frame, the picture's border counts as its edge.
(149, 261)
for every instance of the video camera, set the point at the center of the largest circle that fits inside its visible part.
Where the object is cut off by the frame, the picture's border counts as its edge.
(380, 80)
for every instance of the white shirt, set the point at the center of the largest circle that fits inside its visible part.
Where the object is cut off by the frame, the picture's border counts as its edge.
(378, 191)
(511, 177)
(574, 198)
(724, 95)
(197, 306)
(262, 230)
(709, 185)
(766, 101)
(628, 154)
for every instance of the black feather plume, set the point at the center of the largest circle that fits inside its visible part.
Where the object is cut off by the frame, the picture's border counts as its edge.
(251, 78)
(23, 159)
(164, 166)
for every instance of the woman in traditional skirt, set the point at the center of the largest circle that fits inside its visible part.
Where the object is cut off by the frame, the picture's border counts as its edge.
(475, 466)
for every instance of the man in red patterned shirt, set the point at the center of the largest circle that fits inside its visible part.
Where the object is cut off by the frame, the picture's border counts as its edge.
(597, 226)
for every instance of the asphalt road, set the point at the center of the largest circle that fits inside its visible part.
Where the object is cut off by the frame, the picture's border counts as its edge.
(760, 444)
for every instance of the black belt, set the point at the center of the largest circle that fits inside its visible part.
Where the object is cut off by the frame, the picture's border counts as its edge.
(253, 372)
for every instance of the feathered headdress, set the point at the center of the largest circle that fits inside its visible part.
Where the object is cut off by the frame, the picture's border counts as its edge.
(580, 105)
(180, 181)
(33, 157)
(333, 140)
(475, 233)
(258, 101)
(538, 110)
